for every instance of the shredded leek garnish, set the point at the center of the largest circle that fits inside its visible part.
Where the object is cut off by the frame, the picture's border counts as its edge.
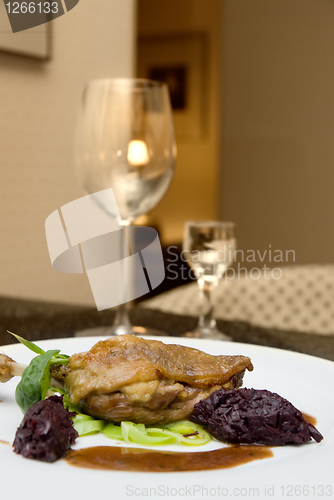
(184, 432)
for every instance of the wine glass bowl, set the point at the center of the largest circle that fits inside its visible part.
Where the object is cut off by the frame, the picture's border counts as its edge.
(125, 141)
(208, 248)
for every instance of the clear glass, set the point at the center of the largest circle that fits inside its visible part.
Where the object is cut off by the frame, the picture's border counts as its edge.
(125, 141)
(208, 248)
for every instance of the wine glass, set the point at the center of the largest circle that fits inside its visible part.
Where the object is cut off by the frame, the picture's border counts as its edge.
(208, 248)
(125, 141)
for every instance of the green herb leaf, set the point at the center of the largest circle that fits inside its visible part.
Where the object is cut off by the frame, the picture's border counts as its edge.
(71, 407)
(35, 381)
(33, 347)
(60, 359)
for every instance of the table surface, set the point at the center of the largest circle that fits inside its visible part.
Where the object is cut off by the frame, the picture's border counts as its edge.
(41, 320)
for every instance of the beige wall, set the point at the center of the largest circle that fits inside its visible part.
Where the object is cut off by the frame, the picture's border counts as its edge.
(192, 194)
(278, 119)
(38, 105)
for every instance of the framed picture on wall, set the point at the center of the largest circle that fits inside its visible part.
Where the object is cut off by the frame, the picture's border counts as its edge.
(179, 61)
(34, 42)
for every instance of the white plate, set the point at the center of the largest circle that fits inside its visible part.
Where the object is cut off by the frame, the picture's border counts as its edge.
(305, 470)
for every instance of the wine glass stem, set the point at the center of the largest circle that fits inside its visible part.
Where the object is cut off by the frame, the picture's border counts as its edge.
(206, 322)
(122, 322)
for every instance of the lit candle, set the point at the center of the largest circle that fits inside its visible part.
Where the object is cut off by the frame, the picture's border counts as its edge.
(138, 153)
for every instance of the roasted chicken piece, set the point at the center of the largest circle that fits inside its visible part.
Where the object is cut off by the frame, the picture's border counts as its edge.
(146, 381)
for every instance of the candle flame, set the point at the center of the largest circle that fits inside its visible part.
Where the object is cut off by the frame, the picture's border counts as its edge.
(138, 153)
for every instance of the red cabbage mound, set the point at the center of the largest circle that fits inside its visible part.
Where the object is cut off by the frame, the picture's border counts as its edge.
(46, 431)
(252, 416)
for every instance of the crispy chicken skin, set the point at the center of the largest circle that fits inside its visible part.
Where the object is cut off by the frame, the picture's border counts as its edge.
(146, 381)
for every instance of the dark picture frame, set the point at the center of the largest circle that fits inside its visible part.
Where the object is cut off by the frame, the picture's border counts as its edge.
(179, 61)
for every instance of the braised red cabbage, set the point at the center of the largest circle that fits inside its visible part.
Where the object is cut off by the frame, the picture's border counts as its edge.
(252, 416)
(46, 431)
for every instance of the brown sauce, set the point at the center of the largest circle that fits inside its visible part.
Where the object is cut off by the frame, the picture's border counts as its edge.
(309, 419)
(139, 460)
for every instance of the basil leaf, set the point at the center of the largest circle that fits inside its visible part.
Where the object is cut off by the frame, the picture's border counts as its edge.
(60, 359)
(35, 381)
(33, 347)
